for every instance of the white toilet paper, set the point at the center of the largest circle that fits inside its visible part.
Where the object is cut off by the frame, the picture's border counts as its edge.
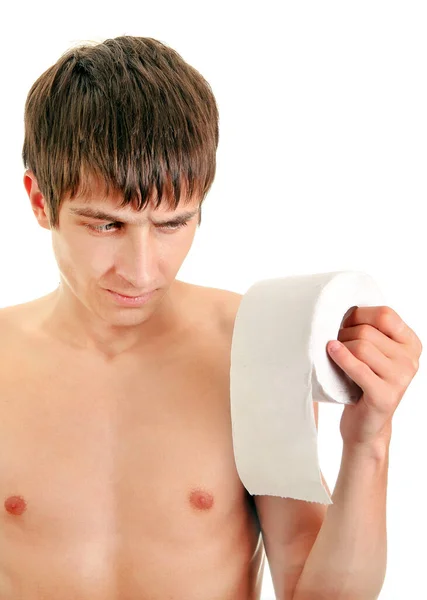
(279, 366)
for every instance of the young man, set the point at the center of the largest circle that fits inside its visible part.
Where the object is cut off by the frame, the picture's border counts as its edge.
(116, 462)
(116, 458)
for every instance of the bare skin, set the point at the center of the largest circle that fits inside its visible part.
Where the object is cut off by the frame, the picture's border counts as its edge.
(123, 470)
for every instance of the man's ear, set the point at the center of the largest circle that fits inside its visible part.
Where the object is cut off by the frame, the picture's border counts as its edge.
(37, 200)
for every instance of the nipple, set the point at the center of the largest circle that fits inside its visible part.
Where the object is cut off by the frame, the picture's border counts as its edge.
(201, 500)
(15, 505)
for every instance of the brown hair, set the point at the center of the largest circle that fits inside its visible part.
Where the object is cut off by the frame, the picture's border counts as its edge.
(129, 110)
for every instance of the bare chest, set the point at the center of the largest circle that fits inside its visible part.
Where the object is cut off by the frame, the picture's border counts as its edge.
(102, 469)
(145, 446)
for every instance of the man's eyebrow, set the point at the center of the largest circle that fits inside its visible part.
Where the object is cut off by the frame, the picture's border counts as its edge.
(100, 215)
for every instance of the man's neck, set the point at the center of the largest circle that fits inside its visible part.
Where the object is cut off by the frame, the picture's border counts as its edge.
(68, 321)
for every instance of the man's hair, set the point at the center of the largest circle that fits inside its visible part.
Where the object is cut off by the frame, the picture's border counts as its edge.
(129, 111)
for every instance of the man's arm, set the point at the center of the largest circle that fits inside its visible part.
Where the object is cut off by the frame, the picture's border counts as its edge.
(289, 529)
(348, 559)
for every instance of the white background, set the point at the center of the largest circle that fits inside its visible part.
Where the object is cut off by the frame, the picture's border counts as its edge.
(321, 167)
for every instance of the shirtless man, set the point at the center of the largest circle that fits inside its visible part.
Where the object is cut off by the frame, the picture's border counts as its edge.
(116, 462)
(116, 459)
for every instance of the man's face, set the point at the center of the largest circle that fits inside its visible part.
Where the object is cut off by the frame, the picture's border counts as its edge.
(128, 251)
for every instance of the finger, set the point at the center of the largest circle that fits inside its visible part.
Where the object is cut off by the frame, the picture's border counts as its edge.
(388, 347)
(360, 372)
(386, 320)
(371, 356)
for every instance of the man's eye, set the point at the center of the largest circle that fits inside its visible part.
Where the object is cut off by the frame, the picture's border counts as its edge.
(174, 225)
(103, 228)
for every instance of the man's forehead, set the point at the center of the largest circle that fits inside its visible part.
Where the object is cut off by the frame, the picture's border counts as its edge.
(115, 202)
(128, 216)
(94, 194)
(108, 209)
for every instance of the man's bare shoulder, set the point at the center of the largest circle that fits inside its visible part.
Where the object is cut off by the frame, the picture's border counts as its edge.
(226, 304)
(9, 317)
(13, 318)
(14, 331)
(218, 304)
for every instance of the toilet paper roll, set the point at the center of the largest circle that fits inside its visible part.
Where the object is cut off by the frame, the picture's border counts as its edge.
(279, 366)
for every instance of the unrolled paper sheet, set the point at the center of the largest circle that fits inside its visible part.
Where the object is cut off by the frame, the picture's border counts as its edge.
(279, 366)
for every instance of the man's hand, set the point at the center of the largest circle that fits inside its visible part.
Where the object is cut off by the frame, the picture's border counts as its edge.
(380, 353)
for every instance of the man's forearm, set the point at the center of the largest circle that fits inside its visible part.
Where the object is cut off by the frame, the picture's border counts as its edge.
(348, 558)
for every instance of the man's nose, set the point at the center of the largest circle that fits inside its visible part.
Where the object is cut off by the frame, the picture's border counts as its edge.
(138, 258)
